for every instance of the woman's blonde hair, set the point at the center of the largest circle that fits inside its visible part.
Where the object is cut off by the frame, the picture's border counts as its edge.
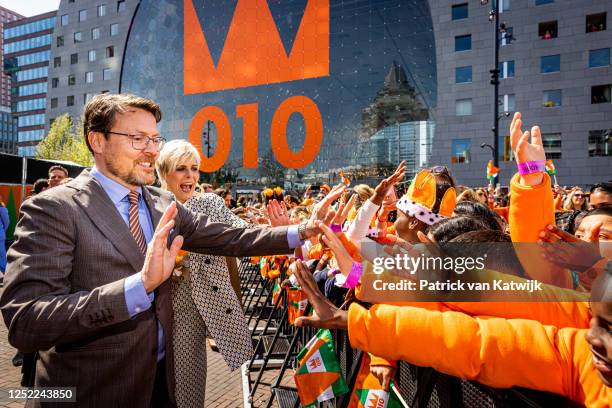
(170, 155)
(568, 204)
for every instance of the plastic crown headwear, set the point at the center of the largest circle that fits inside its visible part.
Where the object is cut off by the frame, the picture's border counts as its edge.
(421, 197)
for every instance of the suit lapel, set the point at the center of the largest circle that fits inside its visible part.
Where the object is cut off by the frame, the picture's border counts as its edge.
(104, 215)
(156, 208)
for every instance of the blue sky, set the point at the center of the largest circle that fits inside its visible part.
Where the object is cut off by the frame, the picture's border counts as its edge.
(29, 8)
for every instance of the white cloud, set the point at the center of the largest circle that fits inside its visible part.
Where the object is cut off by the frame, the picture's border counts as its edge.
(30, 8)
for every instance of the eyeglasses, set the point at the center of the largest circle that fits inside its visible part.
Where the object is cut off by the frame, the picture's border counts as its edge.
(141, 142)
(580, 195)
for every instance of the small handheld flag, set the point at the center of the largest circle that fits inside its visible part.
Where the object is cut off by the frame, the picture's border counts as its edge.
(318, 377)
(298, 302)
(345, 180)
(550, 168)
(492, 171)
(368, 391)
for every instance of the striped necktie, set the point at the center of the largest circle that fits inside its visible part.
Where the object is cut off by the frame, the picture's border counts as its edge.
(135, 227)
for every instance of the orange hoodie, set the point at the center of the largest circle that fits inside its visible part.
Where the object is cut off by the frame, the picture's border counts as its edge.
(496, 352)
(531, 210)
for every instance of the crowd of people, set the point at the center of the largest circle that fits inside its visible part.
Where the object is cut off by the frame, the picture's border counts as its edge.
(110, 275)
(498, 344)
(556, 346)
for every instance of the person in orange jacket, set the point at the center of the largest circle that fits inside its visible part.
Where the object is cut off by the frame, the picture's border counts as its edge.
(502, 353)
(532, 217)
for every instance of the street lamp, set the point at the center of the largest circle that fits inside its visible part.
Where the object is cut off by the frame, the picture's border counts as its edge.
(494, 17)
(206, 133)
(483, 145)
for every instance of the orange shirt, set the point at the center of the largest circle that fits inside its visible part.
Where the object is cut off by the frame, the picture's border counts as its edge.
(531, 210)
(496, 352)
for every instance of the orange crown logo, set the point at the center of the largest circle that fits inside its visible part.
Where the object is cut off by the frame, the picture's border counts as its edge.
(253, 53)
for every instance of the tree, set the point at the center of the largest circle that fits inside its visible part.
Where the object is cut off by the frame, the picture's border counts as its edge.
(64, 143)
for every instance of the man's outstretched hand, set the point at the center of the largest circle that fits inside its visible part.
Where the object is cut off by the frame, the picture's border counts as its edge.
(326, 314)
(159, 260)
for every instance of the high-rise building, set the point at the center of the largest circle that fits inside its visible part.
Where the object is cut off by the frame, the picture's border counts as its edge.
(8, 125)
(87, 49)
(27, 45)
(554, 62)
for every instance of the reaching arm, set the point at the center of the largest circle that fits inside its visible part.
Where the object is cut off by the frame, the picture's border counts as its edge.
(497, 352)
(203, 236)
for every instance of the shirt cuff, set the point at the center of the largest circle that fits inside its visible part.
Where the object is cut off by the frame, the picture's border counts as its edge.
(293, 236)
(136, 297)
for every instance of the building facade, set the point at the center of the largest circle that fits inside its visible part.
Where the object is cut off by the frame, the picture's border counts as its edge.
(87, 51)
(6, 16)
(363, 90)
(554, 69)
(27, 45)
(8, 124)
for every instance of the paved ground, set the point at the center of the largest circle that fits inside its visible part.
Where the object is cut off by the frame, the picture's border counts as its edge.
(9, 376)
(223, 389)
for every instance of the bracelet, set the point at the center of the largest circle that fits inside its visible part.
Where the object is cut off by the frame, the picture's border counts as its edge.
(353, 277)
(530, 167)
(336, 227)
(334, 271)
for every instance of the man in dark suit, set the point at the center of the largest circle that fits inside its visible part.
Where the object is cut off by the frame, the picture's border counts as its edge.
(83, 289)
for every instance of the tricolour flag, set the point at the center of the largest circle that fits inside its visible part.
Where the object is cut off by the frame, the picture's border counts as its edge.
(550, 168)
(345, 180)
(369, 393)
(318, 377)
(492, 171)
(276, 292)
(298, 302)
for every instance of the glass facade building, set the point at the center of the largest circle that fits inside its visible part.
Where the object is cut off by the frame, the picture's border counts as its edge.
(8, 131)
(380, 71)
(27, 53)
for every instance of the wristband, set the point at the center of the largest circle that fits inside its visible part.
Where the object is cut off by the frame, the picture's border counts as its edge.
(538, 166)
(334, 271)
(353, 277)
(336, 227)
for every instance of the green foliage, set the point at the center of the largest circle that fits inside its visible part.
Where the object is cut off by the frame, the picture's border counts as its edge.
(64, 143)
(12, 211)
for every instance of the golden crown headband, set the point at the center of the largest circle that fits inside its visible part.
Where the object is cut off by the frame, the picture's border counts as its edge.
(421, 197)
